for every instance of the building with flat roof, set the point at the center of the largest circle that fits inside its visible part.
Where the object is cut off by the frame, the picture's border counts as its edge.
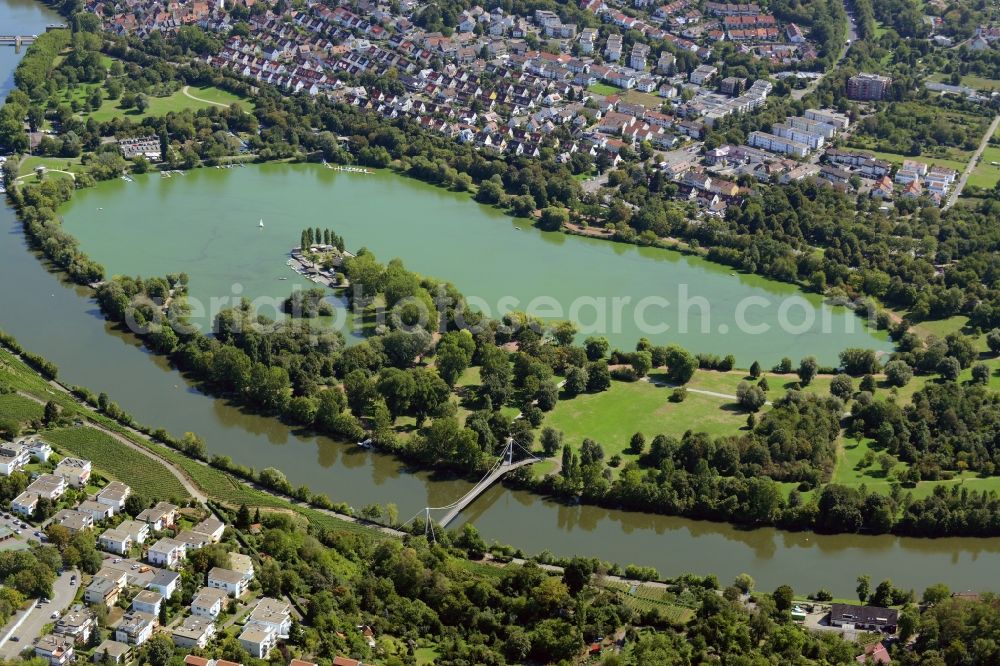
(76, 471)
(867, 87)
(193, 632)
(114, 495)
(872, 618)
(58, 650)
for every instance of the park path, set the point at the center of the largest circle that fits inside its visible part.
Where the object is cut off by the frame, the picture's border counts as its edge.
(973, 162)
(187, 93)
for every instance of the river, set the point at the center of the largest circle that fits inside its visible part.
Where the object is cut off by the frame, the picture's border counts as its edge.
(63, 323)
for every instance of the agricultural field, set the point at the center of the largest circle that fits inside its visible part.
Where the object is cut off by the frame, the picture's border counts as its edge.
(19, 408)
(643, 598)
(147, 477)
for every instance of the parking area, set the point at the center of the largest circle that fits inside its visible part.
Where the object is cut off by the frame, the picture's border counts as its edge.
(27, 625)
(15, 532)
(139, 573)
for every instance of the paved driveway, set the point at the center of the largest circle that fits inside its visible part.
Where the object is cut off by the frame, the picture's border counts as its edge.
(30, 628)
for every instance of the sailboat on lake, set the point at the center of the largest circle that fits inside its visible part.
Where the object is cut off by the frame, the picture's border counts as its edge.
(261, 224)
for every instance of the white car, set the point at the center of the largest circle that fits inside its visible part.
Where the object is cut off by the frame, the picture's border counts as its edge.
(55, 615)
(117, 560)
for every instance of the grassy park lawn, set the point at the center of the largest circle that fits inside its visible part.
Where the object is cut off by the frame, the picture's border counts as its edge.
(613, 416)
(208, 96)
(726, 382)
(29, 164)
(986, 174)
(604, 89)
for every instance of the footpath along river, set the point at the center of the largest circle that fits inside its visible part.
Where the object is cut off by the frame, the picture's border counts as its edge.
(63, 323)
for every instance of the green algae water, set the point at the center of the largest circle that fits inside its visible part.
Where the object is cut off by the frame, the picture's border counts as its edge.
(207, 223)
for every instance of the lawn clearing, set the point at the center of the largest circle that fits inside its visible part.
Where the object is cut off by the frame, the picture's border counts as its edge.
(604, 89)
(987, 172)
(956, 159)
(207, 97)
(611, 417)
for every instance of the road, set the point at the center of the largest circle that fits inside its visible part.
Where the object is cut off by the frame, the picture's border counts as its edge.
(973, 161)
(31, 628)
(852, 36)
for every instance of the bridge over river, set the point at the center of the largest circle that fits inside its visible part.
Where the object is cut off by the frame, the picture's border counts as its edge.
(504, 464)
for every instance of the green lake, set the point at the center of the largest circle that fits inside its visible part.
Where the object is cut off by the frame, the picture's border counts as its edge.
(206, 223)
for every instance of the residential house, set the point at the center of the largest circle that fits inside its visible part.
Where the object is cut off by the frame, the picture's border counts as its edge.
(193, 540)
(115, 541)
(166, 553)
(872, 618)
(112, 651)
(105, 587)
(148, 601)
(78, 623)
(56, 649)
(243, 564)
(114, 495)
(139, 531)
(160, 516)
(13, 456)
(875, 653)
(702, 74)
(135, 628)
(211, 526)
(231, 582)
(193, 632)
(76, 471)
(258, 640)
(882, 188)
(165, 582)
(73, 520)
(273, 614)
(209, 602)
(97, 510)
(24, 504)
(49, 486)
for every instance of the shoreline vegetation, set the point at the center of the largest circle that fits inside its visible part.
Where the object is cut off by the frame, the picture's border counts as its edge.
(777, 471)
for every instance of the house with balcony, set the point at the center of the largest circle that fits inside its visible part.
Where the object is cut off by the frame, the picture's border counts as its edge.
(76, 471)
(166, 553)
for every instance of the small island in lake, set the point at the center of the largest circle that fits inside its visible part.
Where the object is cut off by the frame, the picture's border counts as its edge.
(318, 256)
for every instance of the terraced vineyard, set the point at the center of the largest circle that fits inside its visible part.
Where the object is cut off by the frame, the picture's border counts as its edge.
(644, 598)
